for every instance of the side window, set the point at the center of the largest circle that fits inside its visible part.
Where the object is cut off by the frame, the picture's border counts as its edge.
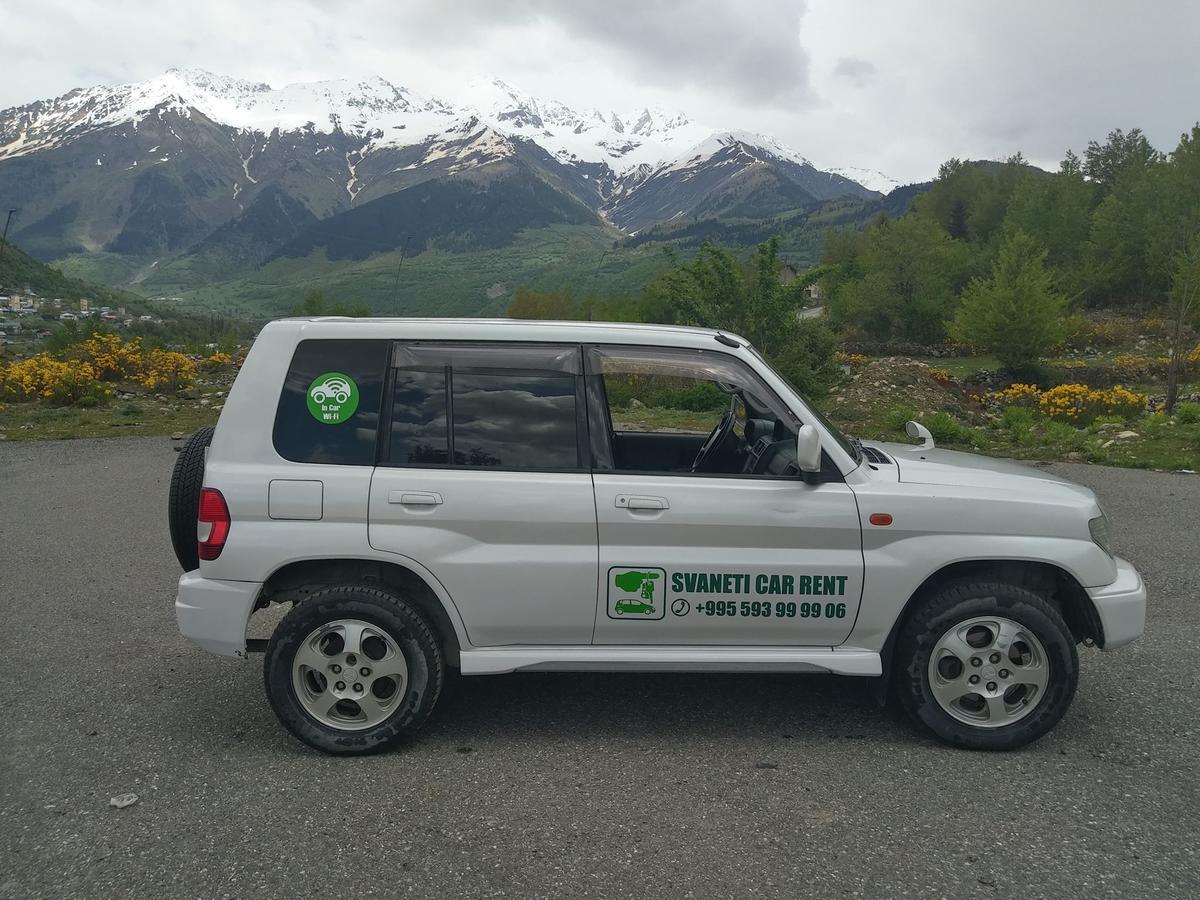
(328, 409)
(419, 434)
(517, 421)
(685, 411)
(460, 405)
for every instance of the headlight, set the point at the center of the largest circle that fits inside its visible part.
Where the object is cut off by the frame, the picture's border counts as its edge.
(1099, 529)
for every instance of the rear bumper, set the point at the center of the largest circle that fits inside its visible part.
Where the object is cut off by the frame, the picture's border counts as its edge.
(213, 614)
(1121, 606)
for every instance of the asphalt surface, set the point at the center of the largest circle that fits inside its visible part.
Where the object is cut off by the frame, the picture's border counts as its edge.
(552, 785)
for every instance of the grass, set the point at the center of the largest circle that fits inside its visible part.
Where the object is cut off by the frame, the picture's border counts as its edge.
(1162, 443)
(961, 366)
(39, 421)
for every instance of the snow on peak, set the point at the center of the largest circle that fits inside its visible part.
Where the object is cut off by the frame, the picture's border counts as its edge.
(385, 114)
(871, 179)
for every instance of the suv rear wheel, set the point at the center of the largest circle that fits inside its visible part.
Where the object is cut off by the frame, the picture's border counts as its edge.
(353, 670)
(986, 665)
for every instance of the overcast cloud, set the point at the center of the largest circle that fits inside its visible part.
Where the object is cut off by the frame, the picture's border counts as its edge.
(868, 83)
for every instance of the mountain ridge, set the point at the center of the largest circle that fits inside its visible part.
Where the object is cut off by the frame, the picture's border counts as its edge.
(213, 177)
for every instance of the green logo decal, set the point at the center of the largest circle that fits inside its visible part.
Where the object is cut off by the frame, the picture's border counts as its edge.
(631, 593)
(332, 398)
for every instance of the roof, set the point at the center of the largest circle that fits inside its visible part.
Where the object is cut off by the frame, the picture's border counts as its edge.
(502, 329)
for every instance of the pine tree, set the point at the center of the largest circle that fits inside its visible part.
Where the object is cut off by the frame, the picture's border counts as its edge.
(1015, 313)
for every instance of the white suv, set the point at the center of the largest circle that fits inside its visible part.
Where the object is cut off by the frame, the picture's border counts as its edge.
(500, 495)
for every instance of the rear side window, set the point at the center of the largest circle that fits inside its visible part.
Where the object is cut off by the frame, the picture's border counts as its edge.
(486, 406)
(419, 435)
(515, 421)
(329, 407)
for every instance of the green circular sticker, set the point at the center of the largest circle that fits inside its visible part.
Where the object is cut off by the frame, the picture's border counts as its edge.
(332, 398)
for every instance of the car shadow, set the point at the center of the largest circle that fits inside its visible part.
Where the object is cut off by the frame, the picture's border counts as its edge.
(662, 705)
(548, 706)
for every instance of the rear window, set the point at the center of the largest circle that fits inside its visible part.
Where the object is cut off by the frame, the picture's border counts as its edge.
(329, 407)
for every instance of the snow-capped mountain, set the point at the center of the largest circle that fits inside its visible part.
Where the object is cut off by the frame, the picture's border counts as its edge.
(193, 158)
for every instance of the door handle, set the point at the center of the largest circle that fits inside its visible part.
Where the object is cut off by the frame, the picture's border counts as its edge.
(415, 498)
(630, 501)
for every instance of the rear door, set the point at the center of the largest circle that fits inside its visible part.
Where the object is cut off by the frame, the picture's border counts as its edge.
(483, 481)
(720, 557)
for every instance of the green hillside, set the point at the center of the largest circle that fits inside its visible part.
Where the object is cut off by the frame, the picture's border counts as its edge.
(21, 272)
(436, 282)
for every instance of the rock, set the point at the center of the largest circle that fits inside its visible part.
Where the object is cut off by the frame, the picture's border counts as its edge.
(635, 403)
(1127, 435)
(1075, 456)
(1109, 426)
(177, 436)
(219, 406)
(1107, 443)
(204, 401)
(187, 394)
(123, 800)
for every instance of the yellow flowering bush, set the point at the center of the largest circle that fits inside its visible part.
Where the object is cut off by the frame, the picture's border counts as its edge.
(853, 360)
(217, 361)
(46, 378)
(166, 369)
(111, 358)
(1017, 395)
(1130, 364)
(89, 366)
(1078, 404)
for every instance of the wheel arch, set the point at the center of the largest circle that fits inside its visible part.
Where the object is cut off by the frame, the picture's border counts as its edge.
(294, 581)
(1059, 586)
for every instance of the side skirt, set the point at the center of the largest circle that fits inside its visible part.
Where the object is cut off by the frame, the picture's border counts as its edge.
(500, 660)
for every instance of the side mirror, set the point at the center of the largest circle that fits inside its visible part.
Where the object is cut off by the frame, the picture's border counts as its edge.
(808, 451)
(917, 430)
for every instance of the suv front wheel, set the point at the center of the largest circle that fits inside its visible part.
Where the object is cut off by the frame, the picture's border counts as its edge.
(986, 665)
(353, 670)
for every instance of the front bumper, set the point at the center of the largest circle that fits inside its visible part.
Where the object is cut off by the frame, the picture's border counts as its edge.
(1121, 606)
(213, 614)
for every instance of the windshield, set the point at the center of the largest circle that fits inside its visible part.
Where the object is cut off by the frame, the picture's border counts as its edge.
(852, 447)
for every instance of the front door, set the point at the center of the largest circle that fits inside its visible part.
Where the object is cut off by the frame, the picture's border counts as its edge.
(730, 549)
(484, 483)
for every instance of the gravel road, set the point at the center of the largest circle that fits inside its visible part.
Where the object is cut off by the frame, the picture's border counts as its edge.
(553, 785)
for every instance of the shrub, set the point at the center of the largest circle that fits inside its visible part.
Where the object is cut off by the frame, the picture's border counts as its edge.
(87, 366)
(1015, 313)
(167, 369)
(1018, 419)
(944, 427)
(1078, 404)
(853, 360)
(1026, 395)
(1188, 414)
(899, 416)
(217, 362)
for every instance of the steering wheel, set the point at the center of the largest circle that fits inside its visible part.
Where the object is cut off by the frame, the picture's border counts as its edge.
(717, 437)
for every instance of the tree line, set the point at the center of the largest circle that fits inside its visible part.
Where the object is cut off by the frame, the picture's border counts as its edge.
(996, 255)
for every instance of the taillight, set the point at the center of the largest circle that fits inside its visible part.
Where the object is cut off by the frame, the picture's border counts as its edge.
(212, 525)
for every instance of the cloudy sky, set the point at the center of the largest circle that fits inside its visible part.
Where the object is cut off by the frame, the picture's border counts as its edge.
(896, 87)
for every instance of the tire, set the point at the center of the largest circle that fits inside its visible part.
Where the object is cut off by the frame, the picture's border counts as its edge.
(183, 500)
(969, 609)
(290, 684)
